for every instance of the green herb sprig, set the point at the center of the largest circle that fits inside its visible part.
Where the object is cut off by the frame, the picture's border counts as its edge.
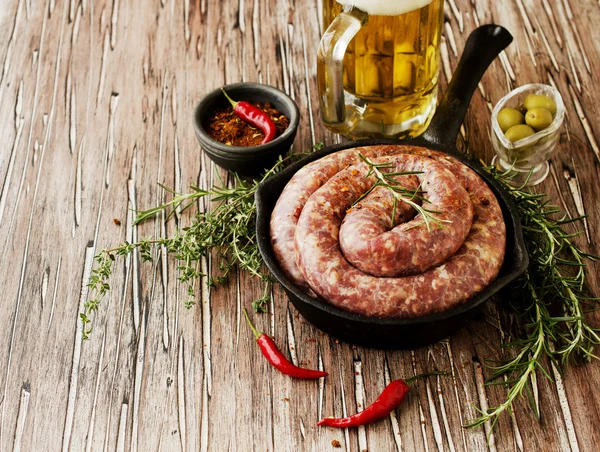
(229, 229)
(550, 299)
(413, 198)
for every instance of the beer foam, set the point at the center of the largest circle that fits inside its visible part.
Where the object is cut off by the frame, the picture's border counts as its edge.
(386, 7)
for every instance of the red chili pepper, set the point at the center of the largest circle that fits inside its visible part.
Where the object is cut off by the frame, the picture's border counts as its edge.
(276, 358)
(254, 116)
(391, 397)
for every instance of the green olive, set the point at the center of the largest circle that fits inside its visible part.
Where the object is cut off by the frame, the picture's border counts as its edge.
(540, 101)
(518, 132)
(538, 118)
(508, 117)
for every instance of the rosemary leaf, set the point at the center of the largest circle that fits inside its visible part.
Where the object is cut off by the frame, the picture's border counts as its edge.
(548, 300)
(399, 192)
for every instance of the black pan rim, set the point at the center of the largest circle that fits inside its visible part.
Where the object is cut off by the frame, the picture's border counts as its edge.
(512, 271)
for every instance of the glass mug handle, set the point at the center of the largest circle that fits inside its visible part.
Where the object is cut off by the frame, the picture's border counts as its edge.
(330, 58)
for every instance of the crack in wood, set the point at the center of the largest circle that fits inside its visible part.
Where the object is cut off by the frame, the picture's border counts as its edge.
(78, 200)
(19, 125)
(72, 103)
(435, 421)
(21, 417)
(343, 400)
(573, 69)
(579, 42)
(283, 58)
(113, 24)
(256, 31)
(573, 444)
(241, 16)
(9, 48)
(103, 67)
(140, 362)
(507, 66)
(186, 23)
(92, 421)
(78, 16)
(55, 293)
(77, 346)
(44, 288)
(110, 140)
(122, 432)
(204, 429)
(423, 429)
(445, 60)
(575, 189)
(307, 79)
(547, 45)
(132, 233)
(181, 399)
(321, 385)
(165, 282)
(359, 396)
(289, 39)
(238, 309)
(456, 13)
(483, 404)
(205, 304)
(72, 9)
(552, 21)
(291, 339)
(530, 49)
(525, 18)
(450, 38)
(558, 189)
(393, 418)
(584, 122)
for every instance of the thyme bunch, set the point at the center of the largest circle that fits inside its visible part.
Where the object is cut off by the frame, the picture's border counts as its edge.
(413, 198)
(551, 299)
(229, 229)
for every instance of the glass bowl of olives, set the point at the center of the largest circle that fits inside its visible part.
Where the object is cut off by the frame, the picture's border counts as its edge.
(525, 130)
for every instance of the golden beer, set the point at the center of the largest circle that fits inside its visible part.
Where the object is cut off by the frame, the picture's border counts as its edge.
(390, 69)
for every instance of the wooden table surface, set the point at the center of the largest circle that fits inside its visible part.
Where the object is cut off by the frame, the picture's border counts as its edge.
(96, 100)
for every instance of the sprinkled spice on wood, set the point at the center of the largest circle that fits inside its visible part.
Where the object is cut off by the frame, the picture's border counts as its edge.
(224, 126)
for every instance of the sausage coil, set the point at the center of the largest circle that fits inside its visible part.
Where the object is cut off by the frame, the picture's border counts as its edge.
(373, 259)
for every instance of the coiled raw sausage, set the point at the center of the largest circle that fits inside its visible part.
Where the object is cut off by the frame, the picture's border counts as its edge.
(305, 229)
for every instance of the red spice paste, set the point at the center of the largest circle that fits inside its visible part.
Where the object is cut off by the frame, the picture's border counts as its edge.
(224, 126)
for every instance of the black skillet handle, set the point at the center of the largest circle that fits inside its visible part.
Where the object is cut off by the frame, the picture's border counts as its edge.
(482, 47)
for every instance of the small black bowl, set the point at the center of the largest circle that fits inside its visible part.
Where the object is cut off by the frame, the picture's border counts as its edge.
(249, 160)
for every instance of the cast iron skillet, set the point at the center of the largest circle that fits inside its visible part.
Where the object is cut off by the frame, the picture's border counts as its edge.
(483, 45)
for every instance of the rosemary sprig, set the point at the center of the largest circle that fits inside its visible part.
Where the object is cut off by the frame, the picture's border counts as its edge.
(387, 179)
(549, 298)
(229, 230)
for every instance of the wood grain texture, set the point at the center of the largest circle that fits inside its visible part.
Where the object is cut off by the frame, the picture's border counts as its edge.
(96, 99)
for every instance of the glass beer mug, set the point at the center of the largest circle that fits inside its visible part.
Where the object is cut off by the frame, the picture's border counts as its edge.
(377, 66)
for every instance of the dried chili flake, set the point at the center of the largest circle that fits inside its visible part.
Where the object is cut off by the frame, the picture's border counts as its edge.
(225, 127)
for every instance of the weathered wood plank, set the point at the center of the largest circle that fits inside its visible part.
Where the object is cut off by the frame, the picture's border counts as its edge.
(96, 98)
